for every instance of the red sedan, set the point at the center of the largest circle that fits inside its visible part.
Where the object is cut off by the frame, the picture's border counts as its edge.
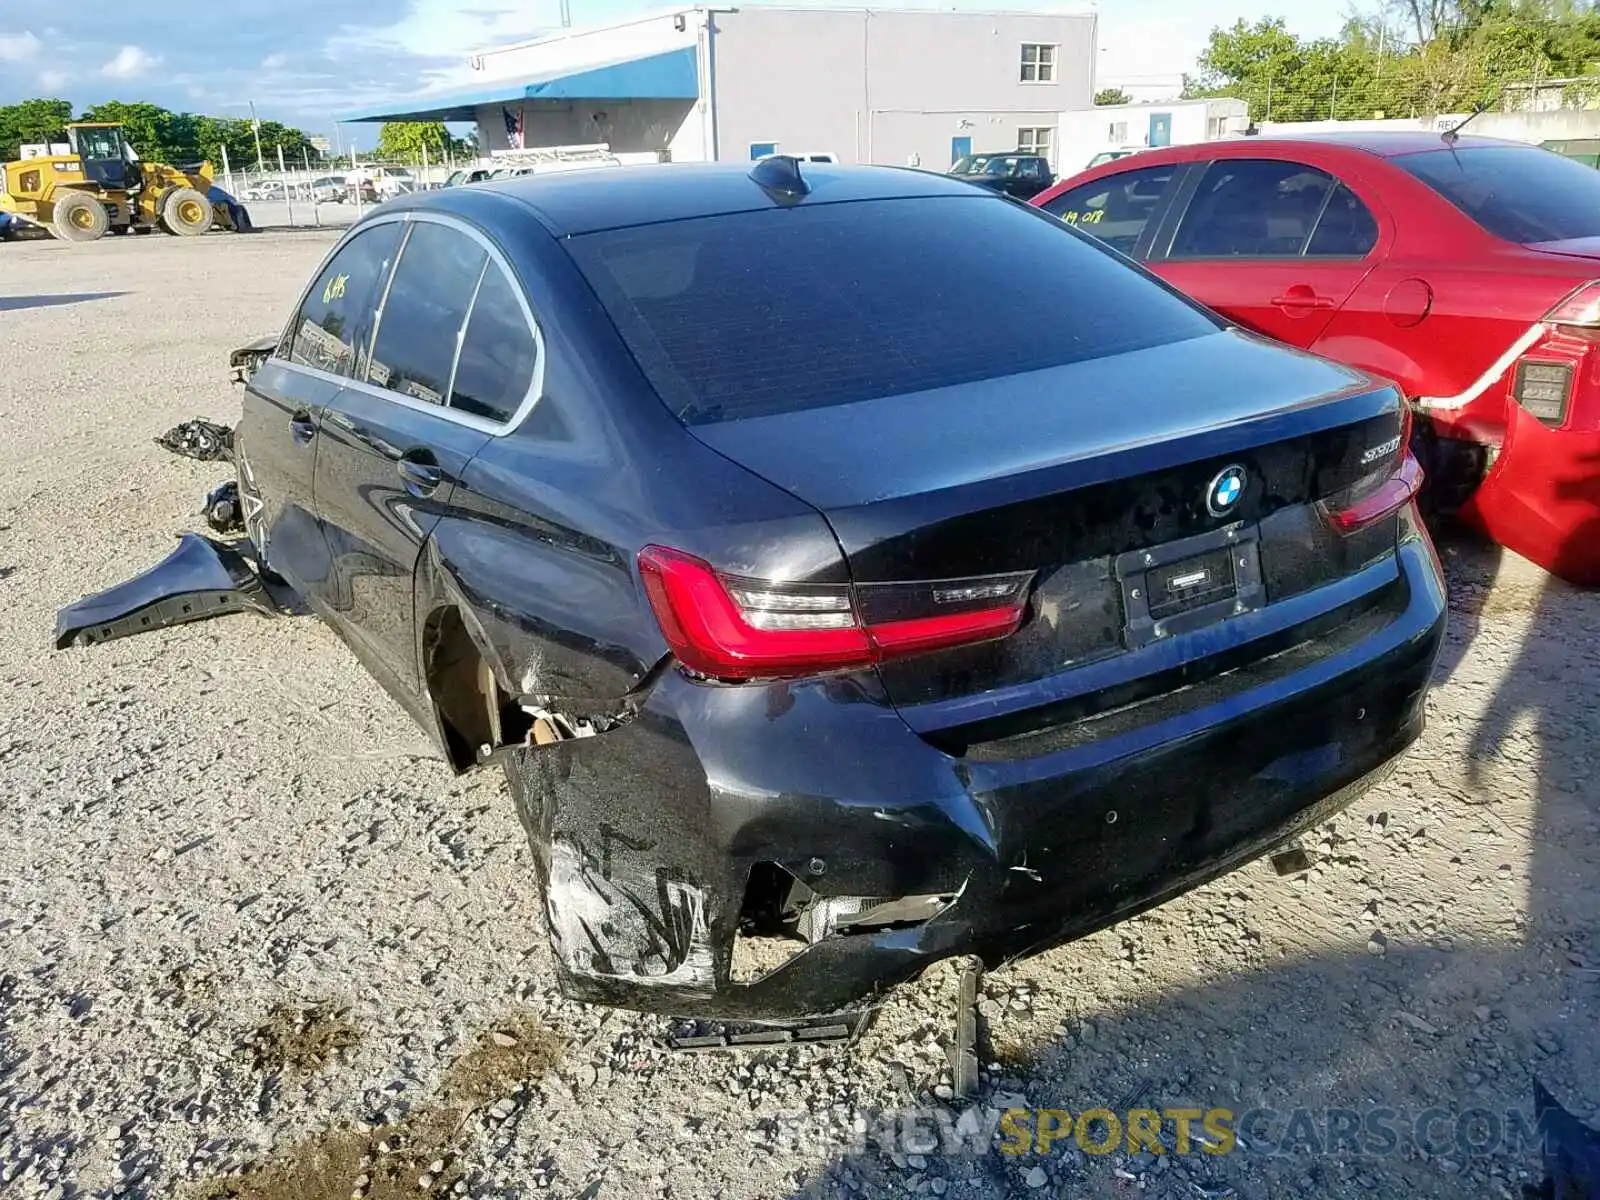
(1466, 270)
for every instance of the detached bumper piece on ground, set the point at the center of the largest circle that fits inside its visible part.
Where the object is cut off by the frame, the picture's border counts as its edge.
(202, 578)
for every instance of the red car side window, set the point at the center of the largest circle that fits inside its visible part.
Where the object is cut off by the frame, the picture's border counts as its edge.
(1253, 208)
(1346, 229)
(1117, 208)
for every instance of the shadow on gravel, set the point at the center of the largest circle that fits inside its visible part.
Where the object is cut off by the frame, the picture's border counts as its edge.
(17, 303)
(411, 1153)
(1402, 1067)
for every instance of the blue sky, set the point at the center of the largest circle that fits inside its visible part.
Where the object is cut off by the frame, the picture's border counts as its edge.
(303, 60)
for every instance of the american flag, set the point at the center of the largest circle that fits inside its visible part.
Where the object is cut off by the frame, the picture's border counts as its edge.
(513, 128)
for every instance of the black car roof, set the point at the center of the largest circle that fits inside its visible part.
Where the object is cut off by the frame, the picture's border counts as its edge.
(589, 200)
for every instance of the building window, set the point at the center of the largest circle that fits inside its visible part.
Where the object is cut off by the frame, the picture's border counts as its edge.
(1035, 141)
(1118, 135)
(1038, 63)
(762, 149)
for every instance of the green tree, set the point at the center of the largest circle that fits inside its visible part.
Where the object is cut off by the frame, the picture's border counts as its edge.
(405, 141)
(1112, 95)
(32, 121)
(1466, 53)
(214, 134)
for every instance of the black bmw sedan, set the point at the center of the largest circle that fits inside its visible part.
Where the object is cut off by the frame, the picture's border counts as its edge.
(848, 567)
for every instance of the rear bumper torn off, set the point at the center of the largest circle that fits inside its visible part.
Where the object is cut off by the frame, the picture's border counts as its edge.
(648, 839)
(202, 578)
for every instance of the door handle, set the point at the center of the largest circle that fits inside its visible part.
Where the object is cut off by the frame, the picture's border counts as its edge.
(1301, 298)
(302, 428)
(422, 478)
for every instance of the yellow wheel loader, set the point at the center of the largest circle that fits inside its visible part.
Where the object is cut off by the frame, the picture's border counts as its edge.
(102, 186)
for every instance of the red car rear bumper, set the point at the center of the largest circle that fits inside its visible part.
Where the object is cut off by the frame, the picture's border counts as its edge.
(1541, 498)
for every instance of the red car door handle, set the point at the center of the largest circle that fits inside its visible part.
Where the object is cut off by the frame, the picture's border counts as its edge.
(1302, 298)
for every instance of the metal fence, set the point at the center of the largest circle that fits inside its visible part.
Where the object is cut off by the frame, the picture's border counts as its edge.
(279, 192)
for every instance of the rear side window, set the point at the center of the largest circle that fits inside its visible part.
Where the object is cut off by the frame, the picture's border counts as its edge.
(422, 315)
(783, 309)
(1252, 208)
(1347, 228)
(1115, 209)
(335, 317)
(1519, 193)
(498, 353)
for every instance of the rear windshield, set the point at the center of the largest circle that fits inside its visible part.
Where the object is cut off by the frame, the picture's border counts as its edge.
(1519, 193)
(782, 309)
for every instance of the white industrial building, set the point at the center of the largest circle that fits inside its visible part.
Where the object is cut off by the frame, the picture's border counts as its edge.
(883, 85)
(1083, 134)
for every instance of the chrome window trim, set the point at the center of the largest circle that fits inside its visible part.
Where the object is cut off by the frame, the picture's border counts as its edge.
(481, 424)
(461, 333)
(363, 374)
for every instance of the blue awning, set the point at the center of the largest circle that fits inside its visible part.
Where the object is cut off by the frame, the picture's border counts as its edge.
(670, 76)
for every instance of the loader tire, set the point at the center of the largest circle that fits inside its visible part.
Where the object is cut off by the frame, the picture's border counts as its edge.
(79, 218)
(186, 212)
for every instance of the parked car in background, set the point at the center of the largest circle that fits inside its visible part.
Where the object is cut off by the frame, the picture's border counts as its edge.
(807, 156)
(375, 184)
(329, 189)
(1020, 176)
(265, 189)
(998, 630)
(1120, 152)
(1465, 269)
(467, 175)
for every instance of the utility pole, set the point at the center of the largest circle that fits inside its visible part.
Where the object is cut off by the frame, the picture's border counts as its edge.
(1333, 105)
(255, 127)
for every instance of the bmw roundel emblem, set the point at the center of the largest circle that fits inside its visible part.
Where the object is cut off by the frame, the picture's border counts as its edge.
(1225, 490)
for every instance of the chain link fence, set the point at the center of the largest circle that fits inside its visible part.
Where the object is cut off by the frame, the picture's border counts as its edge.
(333, 193)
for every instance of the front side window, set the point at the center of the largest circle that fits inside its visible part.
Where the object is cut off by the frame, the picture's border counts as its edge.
(99, 144)
(1115, 209)
(336, 315)
(1038, 63)
(998, 165)
(420, 323)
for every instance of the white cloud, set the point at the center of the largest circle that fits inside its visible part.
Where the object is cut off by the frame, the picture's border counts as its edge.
(130, 61)
(19, 47)
(274, 62)
(51, 80)
(1146, 45)
(436, 28)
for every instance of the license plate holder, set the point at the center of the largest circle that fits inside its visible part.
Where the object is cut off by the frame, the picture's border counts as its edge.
(1181, 586)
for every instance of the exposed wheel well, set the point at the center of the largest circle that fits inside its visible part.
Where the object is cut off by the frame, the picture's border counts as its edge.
(466, 698)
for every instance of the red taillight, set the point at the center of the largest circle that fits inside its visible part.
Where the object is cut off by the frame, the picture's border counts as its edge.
(1350, 514)
(735, 628)
(1378, 495)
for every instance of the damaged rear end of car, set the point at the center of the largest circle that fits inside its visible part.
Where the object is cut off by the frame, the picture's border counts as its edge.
(972, 666)
(874, 571)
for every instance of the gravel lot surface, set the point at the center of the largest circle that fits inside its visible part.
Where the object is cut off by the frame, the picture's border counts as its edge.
(255, 942)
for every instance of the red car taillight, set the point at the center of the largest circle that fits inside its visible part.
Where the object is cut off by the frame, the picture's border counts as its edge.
(1380, 494)
(731, 627)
